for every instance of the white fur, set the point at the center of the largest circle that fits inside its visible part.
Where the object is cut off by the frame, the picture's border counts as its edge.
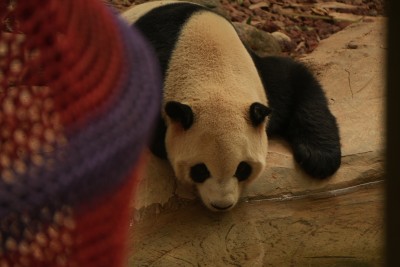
(211, 71)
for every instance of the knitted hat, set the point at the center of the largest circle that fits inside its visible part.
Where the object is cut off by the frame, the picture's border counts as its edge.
(79, 94)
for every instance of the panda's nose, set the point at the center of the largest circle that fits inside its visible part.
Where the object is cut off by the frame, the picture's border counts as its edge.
(221, 207)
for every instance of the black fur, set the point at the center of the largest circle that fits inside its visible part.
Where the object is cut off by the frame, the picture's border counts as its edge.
(157, 146)
(299, 107)
(180, 113)
(162, 26)
(243, 171)
(199, 173)
(258, 112)
(301, 114)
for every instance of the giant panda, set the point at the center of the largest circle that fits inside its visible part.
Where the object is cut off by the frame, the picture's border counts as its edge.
(221, 102)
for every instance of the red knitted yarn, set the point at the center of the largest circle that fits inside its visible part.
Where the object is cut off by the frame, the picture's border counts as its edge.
(94, 247)
(95, 236)
(79, 94)
(43, 32)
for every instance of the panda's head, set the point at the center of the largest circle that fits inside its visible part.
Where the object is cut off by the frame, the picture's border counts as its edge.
(218, 146)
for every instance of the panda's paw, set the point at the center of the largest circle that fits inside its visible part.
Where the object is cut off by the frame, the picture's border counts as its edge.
(318, 162)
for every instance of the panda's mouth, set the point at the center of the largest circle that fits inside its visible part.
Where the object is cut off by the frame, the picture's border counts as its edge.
(221, 208)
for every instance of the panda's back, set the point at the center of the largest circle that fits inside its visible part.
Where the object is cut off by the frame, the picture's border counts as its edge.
(200, 51)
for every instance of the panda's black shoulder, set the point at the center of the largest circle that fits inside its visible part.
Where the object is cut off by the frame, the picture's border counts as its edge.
(162, 27)
(169, 16)
(287, 84)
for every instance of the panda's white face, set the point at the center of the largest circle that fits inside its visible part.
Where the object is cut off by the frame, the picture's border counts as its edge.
(220, 152)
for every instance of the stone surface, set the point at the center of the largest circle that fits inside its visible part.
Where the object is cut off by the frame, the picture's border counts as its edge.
(262, 43)
(345, 230)
(286, 218)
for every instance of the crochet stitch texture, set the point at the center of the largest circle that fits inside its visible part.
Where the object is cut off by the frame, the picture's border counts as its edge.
(79, 94)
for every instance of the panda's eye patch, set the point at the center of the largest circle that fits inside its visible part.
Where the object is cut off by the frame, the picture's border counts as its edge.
(199, 173)
(243, 171)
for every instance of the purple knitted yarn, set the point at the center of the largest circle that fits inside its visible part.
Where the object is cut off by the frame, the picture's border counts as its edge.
(80, 92)
(99, 154)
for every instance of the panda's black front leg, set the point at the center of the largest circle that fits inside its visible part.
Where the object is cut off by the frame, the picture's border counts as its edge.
(301, 114)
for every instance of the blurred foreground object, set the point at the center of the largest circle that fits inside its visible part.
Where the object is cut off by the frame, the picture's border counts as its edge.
(79, 93)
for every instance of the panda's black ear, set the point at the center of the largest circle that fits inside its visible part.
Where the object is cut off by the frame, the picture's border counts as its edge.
(181, 113)
(258, 112)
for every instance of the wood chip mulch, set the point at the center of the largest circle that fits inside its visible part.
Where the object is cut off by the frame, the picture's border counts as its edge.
(306, 22)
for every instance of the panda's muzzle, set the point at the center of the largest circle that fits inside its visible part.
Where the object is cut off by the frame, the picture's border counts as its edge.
(221, 208)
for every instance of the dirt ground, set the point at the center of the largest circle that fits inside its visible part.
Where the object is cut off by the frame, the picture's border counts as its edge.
(305, 22)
